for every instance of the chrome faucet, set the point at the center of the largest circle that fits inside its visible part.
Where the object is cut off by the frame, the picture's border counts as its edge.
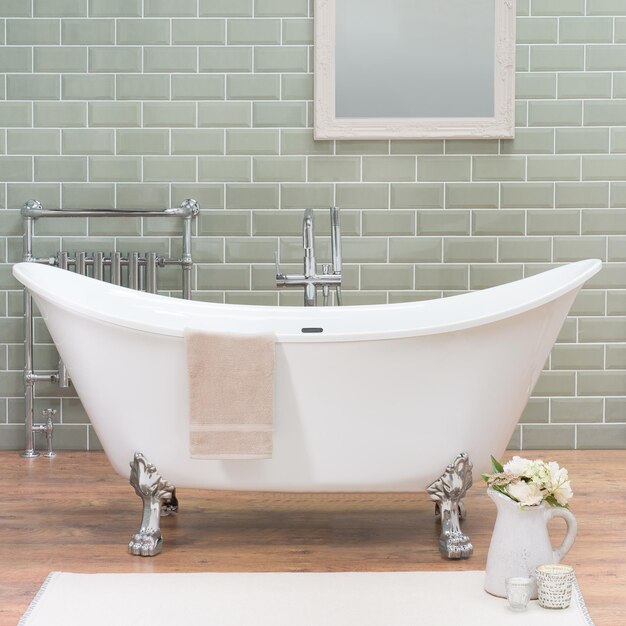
(310, 280)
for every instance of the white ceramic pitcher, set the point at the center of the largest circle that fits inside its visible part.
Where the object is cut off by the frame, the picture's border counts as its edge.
(520, 541)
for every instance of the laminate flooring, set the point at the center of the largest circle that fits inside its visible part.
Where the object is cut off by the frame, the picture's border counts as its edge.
(74, 513)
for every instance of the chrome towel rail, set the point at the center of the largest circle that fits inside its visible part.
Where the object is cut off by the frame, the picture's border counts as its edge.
(188, 210)
(141, 274)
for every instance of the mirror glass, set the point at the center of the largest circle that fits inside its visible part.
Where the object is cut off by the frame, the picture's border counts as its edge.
(413, 69)
(390, 58)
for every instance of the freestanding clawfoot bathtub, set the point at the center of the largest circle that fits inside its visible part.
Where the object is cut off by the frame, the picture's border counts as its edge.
(367, 398)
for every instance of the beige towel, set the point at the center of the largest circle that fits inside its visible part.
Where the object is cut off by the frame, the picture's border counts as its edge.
(231, 395)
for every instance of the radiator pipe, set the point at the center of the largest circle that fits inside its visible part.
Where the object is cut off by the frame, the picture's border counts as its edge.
(63, 377)
(133, 270)
(116, 268)
(81, 265)
(191, 209)
(62, 260)
(29, 391)
(98, 265)
(151, 272)
(41, 378)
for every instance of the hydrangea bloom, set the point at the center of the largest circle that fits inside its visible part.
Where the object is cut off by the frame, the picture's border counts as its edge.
(527, 494)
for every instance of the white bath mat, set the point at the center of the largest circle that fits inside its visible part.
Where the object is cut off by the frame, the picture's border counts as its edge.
(343, 599)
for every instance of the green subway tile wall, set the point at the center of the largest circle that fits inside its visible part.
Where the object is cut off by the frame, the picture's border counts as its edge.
(142, 103)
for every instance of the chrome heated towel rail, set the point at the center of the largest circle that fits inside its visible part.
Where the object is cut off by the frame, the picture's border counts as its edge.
(141, 273)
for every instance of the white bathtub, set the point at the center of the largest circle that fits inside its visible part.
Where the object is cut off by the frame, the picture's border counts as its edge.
(381, 400)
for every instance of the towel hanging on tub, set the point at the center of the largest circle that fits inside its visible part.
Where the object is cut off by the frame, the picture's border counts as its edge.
(231, 395)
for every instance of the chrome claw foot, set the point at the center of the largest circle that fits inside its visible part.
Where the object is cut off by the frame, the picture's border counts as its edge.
(448, 492)
(462, 510)
(146, 543)
(455, 545)
(156, 495)
(169, 506)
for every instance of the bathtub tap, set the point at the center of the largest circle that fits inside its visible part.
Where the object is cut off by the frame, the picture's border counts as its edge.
(47, 429)
(310, 280)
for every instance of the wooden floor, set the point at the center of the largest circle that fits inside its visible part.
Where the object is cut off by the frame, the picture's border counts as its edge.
(73, 513)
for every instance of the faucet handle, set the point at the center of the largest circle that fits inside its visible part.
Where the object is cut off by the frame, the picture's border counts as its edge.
(279, 274)
(48, 414)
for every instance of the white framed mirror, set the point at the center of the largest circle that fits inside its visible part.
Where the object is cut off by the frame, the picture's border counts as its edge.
(414, 69)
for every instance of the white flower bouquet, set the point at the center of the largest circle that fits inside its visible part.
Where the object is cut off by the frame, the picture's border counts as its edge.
(531, 482)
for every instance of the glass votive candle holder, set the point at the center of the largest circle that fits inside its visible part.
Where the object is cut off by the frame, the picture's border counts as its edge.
(518, 591)
(554, 585)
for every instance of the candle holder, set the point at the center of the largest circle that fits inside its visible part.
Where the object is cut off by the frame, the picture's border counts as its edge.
(518, 591)
(554, 585)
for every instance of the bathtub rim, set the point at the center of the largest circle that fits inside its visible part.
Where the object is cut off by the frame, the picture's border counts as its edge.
(31, 276)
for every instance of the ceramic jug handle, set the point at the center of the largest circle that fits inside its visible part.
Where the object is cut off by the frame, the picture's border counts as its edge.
(568, 542)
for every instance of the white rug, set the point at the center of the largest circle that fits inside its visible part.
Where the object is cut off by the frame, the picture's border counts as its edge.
(343, 599)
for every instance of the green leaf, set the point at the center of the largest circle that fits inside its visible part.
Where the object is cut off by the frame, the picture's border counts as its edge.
(497, 466)
(504, 492)
(486, 477)
(552, 501)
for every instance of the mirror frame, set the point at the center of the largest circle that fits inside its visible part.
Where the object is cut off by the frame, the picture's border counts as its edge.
(500, 126)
